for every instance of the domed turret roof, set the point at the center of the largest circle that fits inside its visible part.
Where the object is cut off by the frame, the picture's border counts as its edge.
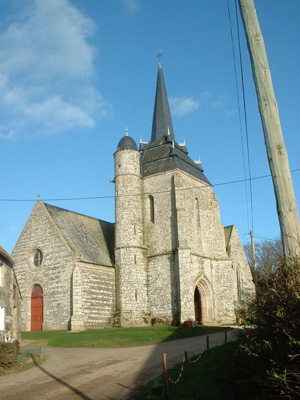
(127, 143)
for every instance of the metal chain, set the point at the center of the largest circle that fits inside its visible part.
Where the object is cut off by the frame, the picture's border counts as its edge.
(180, 374)
(197, 359)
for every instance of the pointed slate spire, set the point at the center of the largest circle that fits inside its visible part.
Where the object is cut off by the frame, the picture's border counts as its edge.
(162, 123)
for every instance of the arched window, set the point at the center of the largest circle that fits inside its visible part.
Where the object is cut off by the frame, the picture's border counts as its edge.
(151, 208)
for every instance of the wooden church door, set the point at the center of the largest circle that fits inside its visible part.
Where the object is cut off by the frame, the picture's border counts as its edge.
(36, 308)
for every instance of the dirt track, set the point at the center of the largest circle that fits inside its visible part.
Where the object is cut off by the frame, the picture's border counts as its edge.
(96, 374)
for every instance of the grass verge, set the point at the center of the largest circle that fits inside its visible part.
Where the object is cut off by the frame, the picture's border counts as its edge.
(23, 364)
(217, 376)
(115, 337)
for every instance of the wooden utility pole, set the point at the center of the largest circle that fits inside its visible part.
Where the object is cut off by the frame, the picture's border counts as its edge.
(277, 155)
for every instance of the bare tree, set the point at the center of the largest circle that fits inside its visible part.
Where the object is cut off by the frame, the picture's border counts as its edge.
(269, 256)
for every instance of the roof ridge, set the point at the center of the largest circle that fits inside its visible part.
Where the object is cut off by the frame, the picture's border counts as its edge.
(75, 212)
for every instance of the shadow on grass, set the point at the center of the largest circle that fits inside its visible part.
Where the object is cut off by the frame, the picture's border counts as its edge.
(175, 351)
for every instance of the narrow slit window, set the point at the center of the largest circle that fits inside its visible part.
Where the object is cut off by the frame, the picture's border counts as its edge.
(151, 206)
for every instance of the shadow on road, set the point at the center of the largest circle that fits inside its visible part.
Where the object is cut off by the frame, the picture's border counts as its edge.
(71, 388)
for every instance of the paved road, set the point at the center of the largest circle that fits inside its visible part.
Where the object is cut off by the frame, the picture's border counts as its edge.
(98, 374)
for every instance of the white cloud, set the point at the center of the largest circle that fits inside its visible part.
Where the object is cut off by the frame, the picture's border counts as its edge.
(131, 5)
(46, 70)
(182, 106)
(217, 103)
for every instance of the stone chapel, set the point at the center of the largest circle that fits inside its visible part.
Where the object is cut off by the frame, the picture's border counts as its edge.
(167, 258)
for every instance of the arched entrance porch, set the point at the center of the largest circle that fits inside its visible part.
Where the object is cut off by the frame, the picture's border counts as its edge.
(37, 308)
(203, 302)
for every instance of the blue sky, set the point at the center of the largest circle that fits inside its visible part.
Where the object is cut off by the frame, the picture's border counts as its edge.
(75, 73)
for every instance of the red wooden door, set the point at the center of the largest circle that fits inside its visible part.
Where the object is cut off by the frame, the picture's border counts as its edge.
(37, 308)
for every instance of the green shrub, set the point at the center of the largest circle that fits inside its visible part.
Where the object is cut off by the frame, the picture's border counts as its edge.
(271, 343)
(8, 354)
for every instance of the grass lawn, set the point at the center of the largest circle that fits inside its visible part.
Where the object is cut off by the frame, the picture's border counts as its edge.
(115, 337)
(212, 377)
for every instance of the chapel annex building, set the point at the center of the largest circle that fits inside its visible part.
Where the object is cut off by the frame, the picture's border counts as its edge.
(166, 260)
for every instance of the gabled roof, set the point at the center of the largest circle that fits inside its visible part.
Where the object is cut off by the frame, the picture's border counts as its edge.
(6, 256)
(163, 153)
(91, 239)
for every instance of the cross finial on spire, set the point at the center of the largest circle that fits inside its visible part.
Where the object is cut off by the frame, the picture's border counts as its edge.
(159, 54)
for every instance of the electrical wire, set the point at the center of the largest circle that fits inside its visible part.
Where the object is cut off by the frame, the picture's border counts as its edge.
(245, 115)
(239, 108)
(157, 192)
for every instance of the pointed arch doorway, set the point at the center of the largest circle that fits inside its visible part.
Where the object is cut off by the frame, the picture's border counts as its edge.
(37, 308)
(203, 302)
(197, 305)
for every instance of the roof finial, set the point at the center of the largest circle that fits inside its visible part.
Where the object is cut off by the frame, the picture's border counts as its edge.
(39, 197)
(159, 54)
(126, 131)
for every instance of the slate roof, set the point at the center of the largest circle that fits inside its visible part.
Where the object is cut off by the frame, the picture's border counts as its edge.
(91, 239)
(162, 122)
(163, 153)
(127, 143)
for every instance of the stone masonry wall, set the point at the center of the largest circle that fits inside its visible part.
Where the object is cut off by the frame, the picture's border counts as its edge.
(162, 289)
(7, 302)
(188, 230)
(243, 276)
(54, 274)
(93, 295)
(98, 294)
(161, 242)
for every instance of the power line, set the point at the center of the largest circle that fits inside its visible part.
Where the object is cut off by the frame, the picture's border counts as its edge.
(263, 238)
(239, 107)
(245, 113)
(162, 191)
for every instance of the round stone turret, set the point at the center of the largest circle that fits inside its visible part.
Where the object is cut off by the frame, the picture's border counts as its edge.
(131, 289)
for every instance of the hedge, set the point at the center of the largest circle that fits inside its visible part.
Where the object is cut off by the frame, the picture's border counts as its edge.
(8, 354)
